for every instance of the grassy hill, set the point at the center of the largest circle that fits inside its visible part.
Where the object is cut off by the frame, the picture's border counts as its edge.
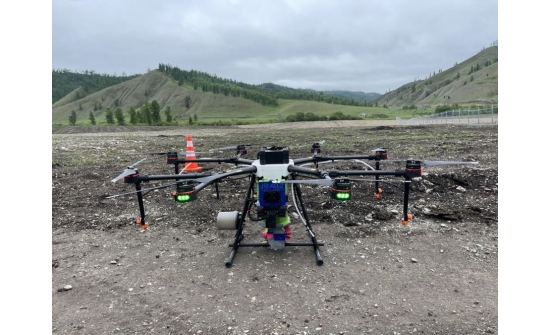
(208, 106)
(473, 81)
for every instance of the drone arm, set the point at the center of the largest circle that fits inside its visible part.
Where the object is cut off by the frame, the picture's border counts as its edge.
(299, 169)
(337, 173)
(175, 177)
(204, 182)
(234, 160)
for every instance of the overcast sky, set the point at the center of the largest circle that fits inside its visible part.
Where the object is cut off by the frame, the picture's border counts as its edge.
(356, 45)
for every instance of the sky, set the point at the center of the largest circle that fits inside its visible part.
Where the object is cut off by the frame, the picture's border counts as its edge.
(352, 45)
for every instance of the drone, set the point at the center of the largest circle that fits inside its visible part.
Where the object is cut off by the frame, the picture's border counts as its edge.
(274, 179)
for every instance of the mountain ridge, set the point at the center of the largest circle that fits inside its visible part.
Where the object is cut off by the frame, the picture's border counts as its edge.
(473, 81)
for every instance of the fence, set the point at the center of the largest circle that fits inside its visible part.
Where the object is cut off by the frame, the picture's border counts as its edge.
(472, 116)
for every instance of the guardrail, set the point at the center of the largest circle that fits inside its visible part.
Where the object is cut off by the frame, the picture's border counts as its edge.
(471, 116)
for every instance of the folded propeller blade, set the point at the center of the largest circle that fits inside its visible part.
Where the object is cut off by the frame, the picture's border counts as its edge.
(432, 163)
(129, 171)
(323, 182)
(142, 190)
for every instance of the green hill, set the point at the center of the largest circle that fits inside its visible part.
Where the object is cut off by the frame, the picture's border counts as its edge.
(209, 98)
(207, 106)
(65, 82)
(473, 81)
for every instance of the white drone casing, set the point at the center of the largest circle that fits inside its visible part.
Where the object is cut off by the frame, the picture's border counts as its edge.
(272, 172)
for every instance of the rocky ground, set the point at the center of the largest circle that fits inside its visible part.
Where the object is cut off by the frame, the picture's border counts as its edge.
(437, 275)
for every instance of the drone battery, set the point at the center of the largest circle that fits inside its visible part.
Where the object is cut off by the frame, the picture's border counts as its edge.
(273, 155)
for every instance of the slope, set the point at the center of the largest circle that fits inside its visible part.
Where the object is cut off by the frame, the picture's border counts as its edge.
(473, 81)
(155, 86)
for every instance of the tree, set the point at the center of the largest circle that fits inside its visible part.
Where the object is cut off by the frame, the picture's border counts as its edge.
(133, 115)
(92, 118)
(72, 118)
(190, 120)
(109, 116)
(145, 114)
(195, 117)
(187, 101)
(119, 116)
(155, 112)
(168, 114)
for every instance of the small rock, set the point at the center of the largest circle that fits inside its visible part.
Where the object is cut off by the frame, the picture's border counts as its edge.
(113, 262)
(67, 287)
(414, 260)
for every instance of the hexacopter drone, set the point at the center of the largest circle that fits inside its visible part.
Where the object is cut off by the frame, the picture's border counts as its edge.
(274, 179)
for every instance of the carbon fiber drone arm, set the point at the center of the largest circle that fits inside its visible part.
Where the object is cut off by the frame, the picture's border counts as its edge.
(204, 182)
(332, 158)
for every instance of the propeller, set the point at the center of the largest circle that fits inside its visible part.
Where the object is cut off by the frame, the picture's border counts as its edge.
(434, 163)
(179, 153)
(323, 182)
(329, 182)
(248, 169)
(130, 170)
(142, 190)
(233, 147)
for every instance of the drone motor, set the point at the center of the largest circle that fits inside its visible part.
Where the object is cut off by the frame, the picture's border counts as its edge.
(341, 189)
(184, 192)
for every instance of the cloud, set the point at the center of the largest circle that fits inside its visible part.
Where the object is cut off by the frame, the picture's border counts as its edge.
(369, 46)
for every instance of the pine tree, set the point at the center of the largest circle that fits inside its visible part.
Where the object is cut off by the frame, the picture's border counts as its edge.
(109, 116)
(168, 114)
(119, 116)
(155, 112)
(72, 118)
(92, 118)
(190, 120)
(133, 115)
(146, 114)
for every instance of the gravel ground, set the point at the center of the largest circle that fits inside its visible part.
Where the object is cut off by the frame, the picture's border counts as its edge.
(437, 275)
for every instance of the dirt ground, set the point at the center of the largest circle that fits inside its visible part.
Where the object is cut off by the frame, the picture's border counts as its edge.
(437, 275)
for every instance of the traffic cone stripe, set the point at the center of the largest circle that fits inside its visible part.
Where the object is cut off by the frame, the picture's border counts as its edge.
(190, 154)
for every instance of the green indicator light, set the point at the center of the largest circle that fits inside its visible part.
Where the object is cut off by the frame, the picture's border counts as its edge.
(343, 196)
(183, 198)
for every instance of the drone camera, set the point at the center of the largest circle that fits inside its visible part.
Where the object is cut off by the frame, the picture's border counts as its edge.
(341, 190)
(184, 193)
(273, 155)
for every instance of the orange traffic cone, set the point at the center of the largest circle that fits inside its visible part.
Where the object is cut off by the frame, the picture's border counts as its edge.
(190, 154)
